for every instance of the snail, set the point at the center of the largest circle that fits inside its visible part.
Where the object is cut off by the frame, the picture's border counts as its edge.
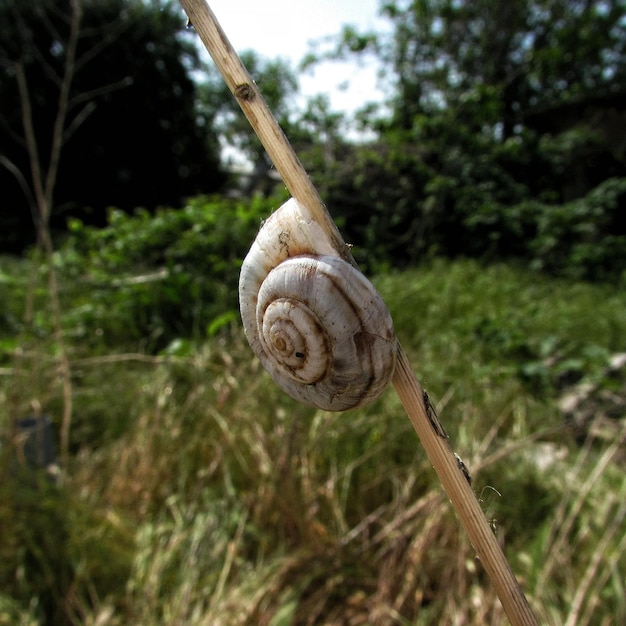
(315, 322)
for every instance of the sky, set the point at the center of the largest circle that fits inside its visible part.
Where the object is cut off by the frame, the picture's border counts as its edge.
(285, 29)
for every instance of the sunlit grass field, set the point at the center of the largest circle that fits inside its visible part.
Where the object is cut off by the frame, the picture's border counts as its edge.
(197, 493)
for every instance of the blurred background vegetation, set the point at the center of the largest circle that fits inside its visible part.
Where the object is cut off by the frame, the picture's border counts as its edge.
(487, 199)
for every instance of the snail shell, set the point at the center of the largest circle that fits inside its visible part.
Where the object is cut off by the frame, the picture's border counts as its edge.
(316, 323)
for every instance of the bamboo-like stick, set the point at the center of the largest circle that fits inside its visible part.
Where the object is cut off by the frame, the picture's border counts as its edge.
(415, 401)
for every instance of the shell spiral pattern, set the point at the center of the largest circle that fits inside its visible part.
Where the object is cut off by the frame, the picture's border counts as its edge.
(316, 323)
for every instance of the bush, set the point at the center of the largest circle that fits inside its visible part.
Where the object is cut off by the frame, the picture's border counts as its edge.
(157, 278)
(444, 189)
(585, 238)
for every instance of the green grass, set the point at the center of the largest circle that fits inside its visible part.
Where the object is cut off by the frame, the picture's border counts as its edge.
(198, 493)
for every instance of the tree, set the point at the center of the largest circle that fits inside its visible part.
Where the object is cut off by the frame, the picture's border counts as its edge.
(531, 54)
(278, 85)
(492, 105)
(129, 131)
(43, 174)
(97, 108)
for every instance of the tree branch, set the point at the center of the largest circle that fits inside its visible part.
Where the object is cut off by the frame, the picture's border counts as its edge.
(99, 91)
(62, 105)
(83, 114)
(29, 136)
(111, 31)
(21, 180)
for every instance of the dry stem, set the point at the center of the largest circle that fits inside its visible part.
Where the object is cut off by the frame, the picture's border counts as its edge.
(43, 188)
(413, 398)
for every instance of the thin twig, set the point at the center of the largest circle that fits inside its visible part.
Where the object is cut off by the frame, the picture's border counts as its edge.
(413, 398)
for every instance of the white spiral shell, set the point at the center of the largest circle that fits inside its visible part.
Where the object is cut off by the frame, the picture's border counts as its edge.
(316, 323)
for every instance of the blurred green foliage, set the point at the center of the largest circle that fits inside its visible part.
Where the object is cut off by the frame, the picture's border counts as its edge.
(197, 492)
(157, 281)
(502, 137)
(154, 278)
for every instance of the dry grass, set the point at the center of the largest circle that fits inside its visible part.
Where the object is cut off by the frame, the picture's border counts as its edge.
(199, 494)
